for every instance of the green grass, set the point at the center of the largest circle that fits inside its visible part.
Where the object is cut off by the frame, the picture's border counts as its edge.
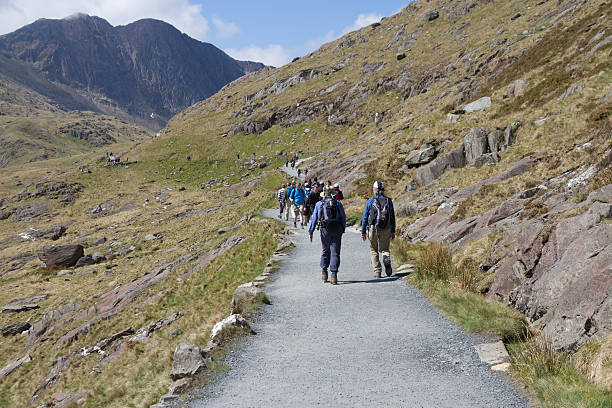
(552, 378)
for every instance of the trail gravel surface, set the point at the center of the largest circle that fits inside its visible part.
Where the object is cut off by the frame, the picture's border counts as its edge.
(363, 343)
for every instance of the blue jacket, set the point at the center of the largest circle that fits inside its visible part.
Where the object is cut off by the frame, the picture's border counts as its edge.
(318, 212)
(299, 196)
(288, 193)
(366, 214)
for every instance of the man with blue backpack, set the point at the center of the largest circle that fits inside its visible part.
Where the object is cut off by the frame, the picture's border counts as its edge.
(379, 219)
(330, 219)
(298, 198)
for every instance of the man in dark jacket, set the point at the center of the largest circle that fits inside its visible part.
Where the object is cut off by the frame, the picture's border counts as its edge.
(379, 219)
(331, 236)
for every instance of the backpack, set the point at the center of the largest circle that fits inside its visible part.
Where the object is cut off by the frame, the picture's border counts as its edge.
(330, 213)
(379, 213)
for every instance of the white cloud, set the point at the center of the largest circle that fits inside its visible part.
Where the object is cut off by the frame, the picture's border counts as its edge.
(362, 21)
(225, 29)
(273, 54)
(182, 14)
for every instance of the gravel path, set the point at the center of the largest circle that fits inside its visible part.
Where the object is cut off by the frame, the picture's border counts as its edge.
(362, 343)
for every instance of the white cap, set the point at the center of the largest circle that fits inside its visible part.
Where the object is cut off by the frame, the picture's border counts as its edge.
(336, 185)
(378, 186)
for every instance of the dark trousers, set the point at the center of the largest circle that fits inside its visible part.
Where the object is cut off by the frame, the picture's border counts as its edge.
(331, 241)
(282, 206)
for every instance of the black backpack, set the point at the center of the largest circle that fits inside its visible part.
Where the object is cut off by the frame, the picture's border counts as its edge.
(330, 213)
(379, 213)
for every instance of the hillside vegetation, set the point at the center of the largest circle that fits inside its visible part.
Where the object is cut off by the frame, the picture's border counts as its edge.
(518, 189)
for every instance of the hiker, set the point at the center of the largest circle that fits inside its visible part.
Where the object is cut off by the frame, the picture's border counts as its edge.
(254, 156)
(280, 196)
(379, 219)
(298, 198)
(287, 163)
(313, 198)
(337, 193)
(328, 216)
(305, 172)
(299, 172)
(288, 192)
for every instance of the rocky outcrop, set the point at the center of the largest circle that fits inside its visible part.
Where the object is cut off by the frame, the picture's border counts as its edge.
(422, 155)
(61, 255)
(15, 328)
(11, 367)
(553, 268)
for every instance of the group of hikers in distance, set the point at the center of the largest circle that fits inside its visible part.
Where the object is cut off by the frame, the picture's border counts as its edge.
(319, 206)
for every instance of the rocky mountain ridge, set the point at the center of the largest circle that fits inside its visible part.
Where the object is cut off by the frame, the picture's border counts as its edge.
(146, 69)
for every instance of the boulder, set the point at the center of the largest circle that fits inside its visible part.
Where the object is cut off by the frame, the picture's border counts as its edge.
(453, 160)
(475, 144)
(570, 91)
(84, 261)
(422, 155)
(493, 140)
(245, 297)
(188, 360)
(19, 308)
(69, 399)
(228, 328)
(487, 158)
(430, 15)
(478, 105)
(99, 241)
(452, 118)
(517, 88)
(510, 133)
(15, 328)
(98, 257)
(60, 255)
(400, 56)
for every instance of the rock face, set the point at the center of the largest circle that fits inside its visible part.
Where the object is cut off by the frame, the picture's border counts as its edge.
(555, 270)
(146, 66)
(188, 360)
(422, 155)
(15, 328)
(61, 255)
(478, 105)
(11, 367)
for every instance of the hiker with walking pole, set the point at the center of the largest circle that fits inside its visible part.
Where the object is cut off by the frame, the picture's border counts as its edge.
(379, 219)
(329, 218)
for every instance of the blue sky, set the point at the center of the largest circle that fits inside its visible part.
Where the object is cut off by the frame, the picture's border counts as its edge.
(272, 32)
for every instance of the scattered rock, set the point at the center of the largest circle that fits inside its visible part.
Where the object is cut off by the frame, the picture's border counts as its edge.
(245, 297)
(15, 328)
(69, 399)
(455, 159)
(452, 118)
(19, 308)
(188, 360)
(540, 122)
(228, 328)
(400, 56)
(478, 105)
(98, 257)
(11, 367)
(423, 155)
(517, 88)
(29, 212)
(570, 91)
(475, 144)
(65, 272)
(99, 241)
(152, 237)
(430, 15)
(510, 133)
(61, 255)
(85, 261)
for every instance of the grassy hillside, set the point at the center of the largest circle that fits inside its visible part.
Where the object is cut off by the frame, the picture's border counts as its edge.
(355, 105)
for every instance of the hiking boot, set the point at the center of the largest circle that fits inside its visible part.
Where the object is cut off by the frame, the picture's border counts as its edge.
(387, 263)
(324, 275)
(377, 274)
(294, 224)
(334, 278)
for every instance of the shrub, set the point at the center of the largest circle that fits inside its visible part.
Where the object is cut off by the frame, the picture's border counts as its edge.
(435, 263)
(538, 359)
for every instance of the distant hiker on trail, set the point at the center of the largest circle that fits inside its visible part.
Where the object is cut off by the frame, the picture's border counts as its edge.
(305, 172)
(329, 217)
(299, 172)
(287, 163)
(379, 219)
(238, 156)
(280, 196)
(254, 156)
(337, 193)
(298, 198)
(313, 198)
(288, 192)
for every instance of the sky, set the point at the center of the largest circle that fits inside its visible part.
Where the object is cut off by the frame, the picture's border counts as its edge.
(268, 31)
